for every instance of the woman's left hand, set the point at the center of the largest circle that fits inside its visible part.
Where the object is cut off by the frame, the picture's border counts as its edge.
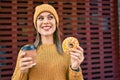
(77, 57)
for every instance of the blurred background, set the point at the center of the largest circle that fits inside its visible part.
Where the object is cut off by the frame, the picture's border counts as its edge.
(95, 23)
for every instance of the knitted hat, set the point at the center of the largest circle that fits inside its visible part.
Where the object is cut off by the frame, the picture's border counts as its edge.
(42, 8)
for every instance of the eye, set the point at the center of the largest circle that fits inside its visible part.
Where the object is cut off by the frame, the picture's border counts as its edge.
(40, 18)
(50, 17)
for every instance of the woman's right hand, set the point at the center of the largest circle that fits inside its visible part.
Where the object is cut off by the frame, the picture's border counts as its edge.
(25, 62)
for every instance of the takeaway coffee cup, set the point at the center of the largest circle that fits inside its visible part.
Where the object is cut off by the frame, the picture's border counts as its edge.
(30, 51)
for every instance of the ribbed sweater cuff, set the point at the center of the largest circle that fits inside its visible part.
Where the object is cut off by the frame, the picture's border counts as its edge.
(74, 75)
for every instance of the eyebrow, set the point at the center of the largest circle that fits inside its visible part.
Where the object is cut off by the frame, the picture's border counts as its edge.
(47, 15)
(50, 14)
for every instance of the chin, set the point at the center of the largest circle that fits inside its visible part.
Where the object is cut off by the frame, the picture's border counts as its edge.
(47, 34)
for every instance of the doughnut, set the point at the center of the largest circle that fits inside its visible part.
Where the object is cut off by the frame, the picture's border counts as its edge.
(69, 43)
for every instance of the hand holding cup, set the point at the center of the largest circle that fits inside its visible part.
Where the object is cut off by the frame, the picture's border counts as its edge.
(27, 58)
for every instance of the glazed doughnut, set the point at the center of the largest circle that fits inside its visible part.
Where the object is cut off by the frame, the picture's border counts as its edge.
(69, 43)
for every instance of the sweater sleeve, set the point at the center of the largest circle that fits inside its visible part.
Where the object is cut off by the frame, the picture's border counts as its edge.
(73, 75)
(18, 75)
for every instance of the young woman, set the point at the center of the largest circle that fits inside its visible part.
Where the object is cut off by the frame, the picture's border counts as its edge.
(51, 63)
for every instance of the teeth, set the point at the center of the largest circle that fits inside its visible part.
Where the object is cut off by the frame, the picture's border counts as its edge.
(46, 27)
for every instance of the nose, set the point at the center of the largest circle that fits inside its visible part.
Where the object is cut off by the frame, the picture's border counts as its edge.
(45, 21)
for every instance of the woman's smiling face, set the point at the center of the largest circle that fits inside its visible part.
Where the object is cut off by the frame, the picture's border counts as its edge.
(46, 24)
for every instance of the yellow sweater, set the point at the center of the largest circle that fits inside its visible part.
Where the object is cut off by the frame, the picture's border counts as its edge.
(50, 66)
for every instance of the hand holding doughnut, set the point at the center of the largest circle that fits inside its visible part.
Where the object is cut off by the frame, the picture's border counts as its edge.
(71, 46)
(77, 57)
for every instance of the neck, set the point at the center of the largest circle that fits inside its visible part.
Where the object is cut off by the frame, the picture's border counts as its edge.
(47, 40)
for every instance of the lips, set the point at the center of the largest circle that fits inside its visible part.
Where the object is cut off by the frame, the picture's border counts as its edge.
(46, 28)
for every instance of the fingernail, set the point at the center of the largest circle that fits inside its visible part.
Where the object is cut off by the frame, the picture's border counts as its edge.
(33, 64)
(24, 53)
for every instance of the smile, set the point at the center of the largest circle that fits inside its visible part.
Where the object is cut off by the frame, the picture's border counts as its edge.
(46, 28)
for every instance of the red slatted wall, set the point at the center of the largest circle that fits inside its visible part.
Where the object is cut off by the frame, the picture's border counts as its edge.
(93, 22)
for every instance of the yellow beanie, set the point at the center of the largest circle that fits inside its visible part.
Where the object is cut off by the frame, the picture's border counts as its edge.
(42, 8)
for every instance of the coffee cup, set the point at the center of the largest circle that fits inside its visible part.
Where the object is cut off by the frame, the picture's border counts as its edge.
(30, 51)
